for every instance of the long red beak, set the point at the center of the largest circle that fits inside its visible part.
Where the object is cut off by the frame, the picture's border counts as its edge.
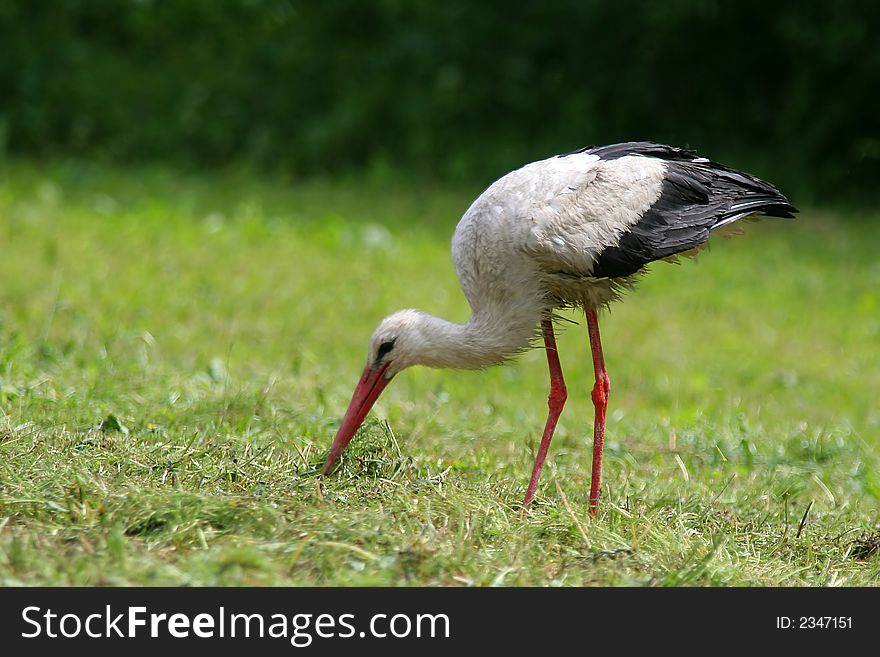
(366, 393)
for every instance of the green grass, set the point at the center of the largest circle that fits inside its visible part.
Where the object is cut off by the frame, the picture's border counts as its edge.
(176, 352)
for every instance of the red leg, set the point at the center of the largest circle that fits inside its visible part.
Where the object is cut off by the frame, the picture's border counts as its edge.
(600, 401)
(555, 401)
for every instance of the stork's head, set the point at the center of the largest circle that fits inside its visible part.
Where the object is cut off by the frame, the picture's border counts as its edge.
(400, 341)
(397, 343)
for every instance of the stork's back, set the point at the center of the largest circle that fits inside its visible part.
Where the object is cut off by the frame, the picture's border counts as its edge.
(697, 197)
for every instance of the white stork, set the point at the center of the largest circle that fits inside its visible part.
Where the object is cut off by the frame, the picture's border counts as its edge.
(571, 230)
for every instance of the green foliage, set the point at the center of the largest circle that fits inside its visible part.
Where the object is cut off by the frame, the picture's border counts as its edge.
(222, 320)
(455, 89)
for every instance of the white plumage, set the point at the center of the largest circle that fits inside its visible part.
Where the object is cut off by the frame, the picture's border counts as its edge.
(570, 230)
(557, 215)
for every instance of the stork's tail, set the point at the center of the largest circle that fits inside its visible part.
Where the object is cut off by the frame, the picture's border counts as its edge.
(741, 194)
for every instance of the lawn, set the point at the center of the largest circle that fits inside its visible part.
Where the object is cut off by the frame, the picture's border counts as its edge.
(176, 351)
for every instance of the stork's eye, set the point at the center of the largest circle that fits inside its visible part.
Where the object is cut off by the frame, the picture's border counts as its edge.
(384, 348)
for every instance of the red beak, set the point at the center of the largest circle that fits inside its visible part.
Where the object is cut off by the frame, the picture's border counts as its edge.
(366, 393)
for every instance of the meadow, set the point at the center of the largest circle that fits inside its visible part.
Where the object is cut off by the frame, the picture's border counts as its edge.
(177, 349)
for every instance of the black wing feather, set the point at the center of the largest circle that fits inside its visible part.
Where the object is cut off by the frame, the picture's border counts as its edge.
(697, 197)
(646, 148)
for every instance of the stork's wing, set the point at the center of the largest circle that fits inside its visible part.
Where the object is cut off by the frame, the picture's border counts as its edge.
(646, 202)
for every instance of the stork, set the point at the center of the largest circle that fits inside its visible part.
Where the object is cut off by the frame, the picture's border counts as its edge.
(571, 230)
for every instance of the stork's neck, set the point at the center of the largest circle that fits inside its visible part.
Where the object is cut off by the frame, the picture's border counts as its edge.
(488, 338)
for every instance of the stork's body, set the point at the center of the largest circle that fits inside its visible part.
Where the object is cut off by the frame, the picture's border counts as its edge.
(571, 230)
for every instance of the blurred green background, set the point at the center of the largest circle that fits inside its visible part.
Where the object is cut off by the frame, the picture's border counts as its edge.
(452, 90)
(205, 208)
